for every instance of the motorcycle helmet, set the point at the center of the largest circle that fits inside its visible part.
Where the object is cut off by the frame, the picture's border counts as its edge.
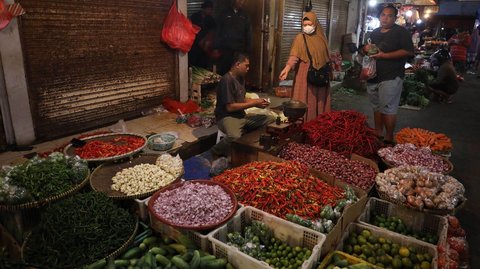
(439, 57)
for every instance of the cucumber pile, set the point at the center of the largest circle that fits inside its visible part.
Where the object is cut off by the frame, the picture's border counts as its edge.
(340, 262)
(155, 252)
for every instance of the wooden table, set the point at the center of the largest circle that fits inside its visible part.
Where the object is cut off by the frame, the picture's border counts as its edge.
(246, 148)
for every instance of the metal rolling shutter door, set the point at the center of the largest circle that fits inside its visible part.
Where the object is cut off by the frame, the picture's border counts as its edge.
(90, 63)
(339, 20)
(321, 8)
(292, 17)
(291, 26)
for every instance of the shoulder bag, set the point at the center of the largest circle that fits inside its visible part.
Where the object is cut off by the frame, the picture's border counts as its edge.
(317, 77)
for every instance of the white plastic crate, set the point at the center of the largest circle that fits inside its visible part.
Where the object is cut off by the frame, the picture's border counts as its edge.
(200, 239)
(394, 237)
(290, 233)
(416, 220)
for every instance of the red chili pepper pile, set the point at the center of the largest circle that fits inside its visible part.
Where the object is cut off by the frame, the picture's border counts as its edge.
(344, 132)
(281, 188)
(355, 173)
(102, 149)
(62, 147)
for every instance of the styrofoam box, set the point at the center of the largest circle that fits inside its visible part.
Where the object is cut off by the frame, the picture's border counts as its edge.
(405, 241)
(416, 220)
(290, 233)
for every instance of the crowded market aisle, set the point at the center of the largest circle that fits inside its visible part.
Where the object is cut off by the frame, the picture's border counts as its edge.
(461, 122)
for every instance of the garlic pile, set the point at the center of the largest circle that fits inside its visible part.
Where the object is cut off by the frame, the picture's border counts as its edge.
(421, 188)
(144, 178)
(140, 179)
(173, 165)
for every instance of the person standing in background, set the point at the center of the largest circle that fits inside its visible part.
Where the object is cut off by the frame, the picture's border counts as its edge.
(198, 55)
(317, 98)
(458, 49)
(384, 91)
(234, 34)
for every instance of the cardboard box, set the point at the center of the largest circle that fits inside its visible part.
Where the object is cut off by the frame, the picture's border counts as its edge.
(350, 213)
(283, 91)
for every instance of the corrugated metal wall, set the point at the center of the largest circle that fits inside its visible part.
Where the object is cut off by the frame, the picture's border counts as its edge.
(339, 23)
(291, 25)
(90, 63)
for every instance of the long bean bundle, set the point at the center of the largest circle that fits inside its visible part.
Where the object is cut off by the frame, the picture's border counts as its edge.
(78, 231)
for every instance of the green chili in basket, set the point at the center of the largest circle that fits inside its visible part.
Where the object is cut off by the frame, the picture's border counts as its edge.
(78, 231)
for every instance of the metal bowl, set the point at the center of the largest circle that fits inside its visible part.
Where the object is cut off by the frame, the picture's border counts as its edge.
(294, 109)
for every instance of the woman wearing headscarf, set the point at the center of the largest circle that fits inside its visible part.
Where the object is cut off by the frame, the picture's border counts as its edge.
(316, 98)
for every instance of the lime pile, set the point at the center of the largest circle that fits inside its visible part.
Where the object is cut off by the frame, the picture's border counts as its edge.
(258, 242)
(395, 224)
(384, 253)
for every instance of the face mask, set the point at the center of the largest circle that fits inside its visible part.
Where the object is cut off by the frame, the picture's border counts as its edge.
(309, 29)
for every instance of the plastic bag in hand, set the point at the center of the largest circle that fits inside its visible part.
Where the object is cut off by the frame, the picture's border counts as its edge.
(369, 68)
(178, 31)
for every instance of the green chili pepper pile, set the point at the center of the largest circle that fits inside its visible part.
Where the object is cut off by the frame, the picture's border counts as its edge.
(40, 178)
(78, 231)
(281, 188)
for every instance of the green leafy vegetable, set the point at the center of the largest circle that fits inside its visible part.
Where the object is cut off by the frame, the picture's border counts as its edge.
(40, 178)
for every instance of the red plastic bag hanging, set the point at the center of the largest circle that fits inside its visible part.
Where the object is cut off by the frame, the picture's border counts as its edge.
(178, 31)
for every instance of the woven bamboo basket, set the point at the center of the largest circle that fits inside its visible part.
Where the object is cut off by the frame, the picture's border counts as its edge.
(445, 160)
(44, 202)
(101, 178)
(114, 254)
(386, 197)
(70, 150)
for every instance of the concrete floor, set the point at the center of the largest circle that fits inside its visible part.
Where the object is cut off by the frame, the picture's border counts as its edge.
(461, 122)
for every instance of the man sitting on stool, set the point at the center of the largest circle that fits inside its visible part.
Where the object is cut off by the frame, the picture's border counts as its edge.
(231, 103)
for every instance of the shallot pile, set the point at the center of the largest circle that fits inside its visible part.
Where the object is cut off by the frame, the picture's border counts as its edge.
(409, 154)
(194, 204)
(419, 188)
(352, 172)
(345, 132)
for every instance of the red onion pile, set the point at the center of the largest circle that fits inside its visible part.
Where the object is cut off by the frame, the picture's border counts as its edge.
(194, 204)
(355, 173)
(409, 154)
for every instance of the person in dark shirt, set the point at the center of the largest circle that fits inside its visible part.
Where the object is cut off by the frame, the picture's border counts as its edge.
(198, 55)
(427, 32)
(234, 34)
(445, 83)
(394, 47)
(231, 103)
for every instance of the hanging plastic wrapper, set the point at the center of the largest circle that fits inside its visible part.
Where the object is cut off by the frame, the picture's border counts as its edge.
(8, 12)
(178, 31)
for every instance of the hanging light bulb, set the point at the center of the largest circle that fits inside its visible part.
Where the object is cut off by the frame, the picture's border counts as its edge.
(426, 16)
(372, 3)
(409, 13)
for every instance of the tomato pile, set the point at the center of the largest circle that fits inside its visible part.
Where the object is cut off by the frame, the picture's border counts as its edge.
(102, 149)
